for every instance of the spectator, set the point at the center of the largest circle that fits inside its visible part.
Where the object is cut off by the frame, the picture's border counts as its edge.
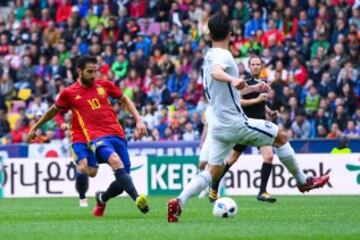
(25, 74)
(159, 93)
(272, 33)
(63, 11)
(315, 71)
(254, 24)
(335, 132)
(4, 45)
(351, 131)
(37, 106)
(326, 85)
(120, 66)
(356, 118)
(4, 124)
(321, 131)
(312, 100)
(347, 74)
(299, 71)
(55, 69)
(339, 116)
(290, 22)
(340, 29)
(241, 12)
(193, 92)
(137, 8)
(19, 133)
(320, 42)
(322, 119)
(52, 34)
(178, 82)
(349, 99)
(7, 89)
(301, 126)
(189, 133)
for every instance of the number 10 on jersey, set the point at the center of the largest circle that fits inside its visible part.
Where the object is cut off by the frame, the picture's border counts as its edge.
(94, 103)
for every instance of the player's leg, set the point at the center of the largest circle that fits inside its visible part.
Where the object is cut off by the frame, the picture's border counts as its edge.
(115, 151)
(203, 162)
(79, 154)
(268, 156)
(287, 156)
(266, 133)
(217, 152)
(82, 182)
(234, 156)
(93, 163)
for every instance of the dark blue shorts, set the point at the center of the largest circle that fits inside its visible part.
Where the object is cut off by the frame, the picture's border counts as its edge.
(81, 151)
(105, 146)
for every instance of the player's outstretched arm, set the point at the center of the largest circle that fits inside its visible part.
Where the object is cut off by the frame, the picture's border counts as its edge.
(51, 112)
(219, 74)
(130, 107)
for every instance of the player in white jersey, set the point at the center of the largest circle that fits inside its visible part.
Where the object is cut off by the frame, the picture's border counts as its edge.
(228, 124)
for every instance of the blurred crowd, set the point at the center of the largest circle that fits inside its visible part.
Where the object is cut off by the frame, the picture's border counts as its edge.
(153, 50)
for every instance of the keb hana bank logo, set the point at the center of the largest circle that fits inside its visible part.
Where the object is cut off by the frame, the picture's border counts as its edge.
(351, 167)
(354, 168)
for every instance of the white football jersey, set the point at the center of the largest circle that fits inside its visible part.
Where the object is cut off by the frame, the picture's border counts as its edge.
(224, 99)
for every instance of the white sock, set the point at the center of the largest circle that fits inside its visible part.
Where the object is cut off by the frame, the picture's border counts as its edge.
(286, 155)
(195, 186)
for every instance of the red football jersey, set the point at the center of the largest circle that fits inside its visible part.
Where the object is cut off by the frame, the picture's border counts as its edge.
(76, 133)
(92, 111)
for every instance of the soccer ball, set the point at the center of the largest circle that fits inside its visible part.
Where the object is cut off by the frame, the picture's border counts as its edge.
(225, 207)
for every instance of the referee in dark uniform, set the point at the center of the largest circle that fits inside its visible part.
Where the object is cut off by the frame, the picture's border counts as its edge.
(254, 106)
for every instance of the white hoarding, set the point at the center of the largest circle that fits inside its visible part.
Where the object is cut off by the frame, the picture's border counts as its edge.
(46, 177)
(52, 177)
(344, 171)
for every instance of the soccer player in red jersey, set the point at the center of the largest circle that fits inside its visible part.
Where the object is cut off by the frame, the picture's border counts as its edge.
(89, 102)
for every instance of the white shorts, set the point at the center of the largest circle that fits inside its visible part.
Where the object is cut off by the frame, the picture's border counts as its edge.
(204, 152)
(254, 132)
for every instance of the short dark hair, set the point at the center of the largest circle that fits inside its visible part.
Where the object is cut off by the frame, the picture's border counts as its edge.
(83, 60)
(251, 58)
(219, 26)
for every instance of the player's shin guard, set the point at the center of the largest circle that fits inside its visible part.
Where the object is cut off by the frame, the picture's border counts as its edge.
(81, 184)
(286, 155)
(265, 174)
(113, 190)
(124, 180)
(195, 186)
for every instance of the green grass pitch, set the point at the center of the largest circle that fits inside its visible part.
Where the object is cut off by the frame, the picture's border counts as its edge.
(300, 217)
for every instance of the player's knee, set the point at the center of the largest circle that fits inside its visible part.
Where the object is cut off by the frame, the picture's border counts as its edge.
(115, 161)
(82, 167)
(92, 172)
(281, 139)
(268, 158)
(202, 165)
